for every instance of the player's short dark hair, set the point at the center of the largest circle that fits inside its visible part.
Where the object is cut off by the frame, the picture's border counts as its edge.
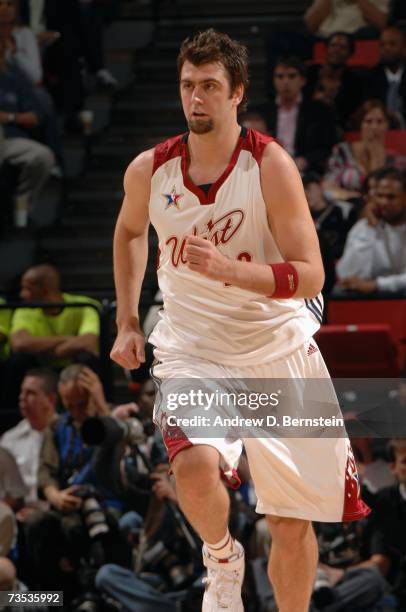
(347, 35)
(291, 61)
(212, 46)
(48, 378)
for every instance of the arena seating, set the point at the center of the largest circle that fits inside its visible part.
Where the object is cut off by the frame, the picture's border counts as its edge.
(362, 351)
(385, 312)
(366, 53)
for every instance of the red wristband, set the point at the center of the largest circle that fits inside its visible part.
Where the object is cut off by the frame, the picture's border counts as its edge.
(286, 280)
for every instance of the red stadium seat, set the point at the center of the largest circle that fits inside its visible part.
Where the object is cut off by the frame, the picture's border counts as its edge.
(395, 140)
(384, 312)
(359, 351)
(366, 53)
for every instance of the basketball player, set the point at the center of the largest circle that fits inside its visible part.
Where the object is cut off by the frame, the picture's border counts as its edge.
(240, 272)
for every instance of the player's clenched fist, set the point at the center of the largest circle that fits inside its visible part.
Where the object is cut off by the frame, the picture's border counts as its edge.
(129, 349)
(203, 257)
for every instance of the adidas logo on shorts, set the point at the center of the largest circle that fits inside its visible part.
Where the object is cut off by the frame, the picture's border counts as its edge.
(311, 349)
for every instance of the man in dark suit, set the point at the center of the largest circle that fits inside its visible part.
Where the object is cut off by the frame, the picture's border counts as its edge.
(334, 82)
(306, 128)
(387, 81)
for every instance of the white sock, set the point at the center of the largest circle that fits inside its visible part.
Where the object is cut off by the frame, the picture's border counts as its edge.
(222, 549)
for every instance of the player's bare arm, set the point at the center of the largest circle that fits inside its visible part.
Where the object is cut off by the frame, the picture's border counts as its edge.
(130, 260)
(291, 225)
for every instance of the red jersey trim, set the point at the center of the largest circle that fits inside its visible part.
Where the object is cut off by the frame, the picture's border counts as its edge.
(354, 507)
(169, 149)
(249, 140)
(255, 143)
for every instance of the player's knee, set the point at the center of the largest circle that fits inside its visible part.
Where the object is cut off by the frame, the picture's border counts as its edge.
(289, 532)
(196, 469)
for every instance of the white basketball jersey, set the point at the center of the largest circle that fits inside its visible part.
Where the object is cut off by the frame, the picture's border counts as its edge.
(207, 318)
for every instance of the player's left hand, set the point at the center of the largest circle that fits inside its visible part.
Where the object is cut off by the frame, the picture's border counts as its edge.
(203, 257)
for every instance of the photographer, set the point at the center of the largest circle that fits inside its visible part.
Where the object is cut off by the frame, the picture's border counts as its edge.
(361, 586)
(388, 538)
(57, 541)
(138, 592)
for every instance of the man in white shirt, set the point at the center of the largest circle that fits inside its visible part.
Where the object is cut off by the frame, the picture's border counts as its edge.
(38, 399)
(374, 256)
(387, 80)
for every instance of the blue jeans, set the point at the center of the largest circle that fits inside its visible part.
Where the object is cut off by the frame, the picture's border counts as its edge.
(360, 591)
(134, 594)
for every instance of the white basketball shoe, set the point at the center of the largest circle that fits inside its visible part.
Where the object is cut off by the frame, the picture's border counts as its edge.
(224, 581)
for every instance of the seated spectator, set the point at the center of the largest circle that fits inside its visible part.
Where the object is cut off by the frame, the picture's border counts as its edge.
(38, 399)
(19, 112)
(23, 57)
(306, 128)
(374, 256)
(50, 337)
(334, 83)
(12, 487)
(388, 525)
(387, 81)
(65, 465)
(360, 17)
(82, 393)
(21, 43)
(351, 162)
(330, 225)
(368, 191)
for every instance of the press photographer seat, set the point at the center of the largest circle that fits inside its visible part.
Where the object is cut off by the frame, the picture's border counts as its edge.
(363, 351)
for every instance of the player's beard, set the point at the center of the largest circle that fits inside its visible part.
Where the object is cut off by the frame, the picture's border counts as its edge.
(200, 126)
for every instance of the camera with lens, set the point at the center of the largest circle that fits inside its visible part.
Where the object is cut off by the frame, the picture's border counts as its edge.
(164, 562)
(108, 431)
(92, 512)
(113, 439)
(338, 548)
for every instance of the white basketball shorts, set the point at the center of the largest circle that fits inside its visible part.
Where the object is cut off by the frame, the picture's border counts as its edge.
(310, 478)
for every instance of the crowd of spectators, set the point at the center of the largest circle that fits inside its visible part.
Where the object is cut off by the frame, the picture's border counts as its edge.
(48, 52)
(335, 119)
(87, 508)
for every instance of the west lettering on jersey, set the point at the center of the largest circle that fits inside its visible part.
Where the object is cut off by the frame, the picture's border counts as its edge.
(218, 231)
